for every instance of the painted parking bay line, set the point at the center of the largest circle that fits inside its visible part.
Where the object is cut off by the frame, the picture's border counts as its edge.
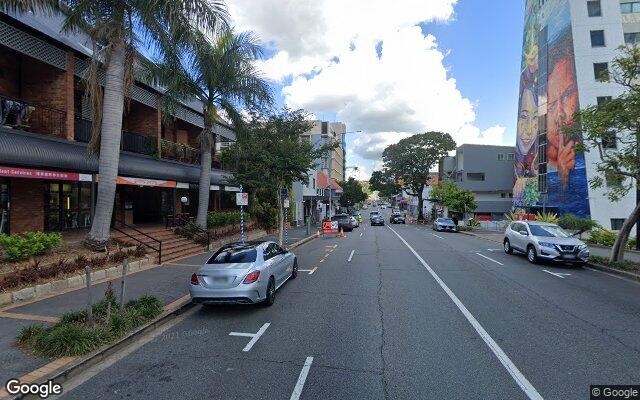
(438, 236)
(351, 255)
(254, 336)
(506, 362)
(490, 259)
(297, 390)
(310, 271)
(558, 274)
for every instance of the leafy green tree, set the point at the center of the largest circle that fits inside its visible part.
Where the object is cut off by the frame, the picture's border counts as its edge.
(352, 193)
(384, 184)
(118, 30)
(222, 75)
(270, 156)
(456, 199)
(612, 130)
(410, 160)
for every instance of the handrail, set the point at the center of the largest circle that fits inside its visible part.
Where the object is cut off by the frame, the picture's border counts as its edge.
(157, 249)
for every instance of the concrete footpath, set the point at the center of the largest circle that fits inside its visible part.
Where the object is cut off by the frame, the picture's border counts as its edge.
(167, 282)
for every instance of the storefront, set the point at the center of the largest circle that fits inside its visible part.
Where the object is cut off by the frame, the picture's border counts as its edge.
(4, 205)
(67, 205)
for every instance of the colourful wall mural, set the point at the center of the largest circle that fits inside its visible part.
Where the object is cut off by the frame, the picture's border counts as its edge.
(548, 100)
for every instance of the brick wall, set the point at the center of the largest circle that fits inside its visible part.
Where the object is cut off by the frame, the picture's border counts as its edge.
(9, 73)
(27, 205)
(141, 119)
(45, 85)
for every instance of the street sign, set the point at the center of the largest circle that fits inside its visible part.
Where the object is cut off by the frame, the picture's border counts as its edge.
(286, 203)
(320, 206)
(284, 193)
(330, 226)
(242, 199)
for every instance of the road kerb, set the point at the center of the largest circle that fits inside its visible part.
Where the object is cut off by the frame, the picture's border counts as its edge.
(626, 274)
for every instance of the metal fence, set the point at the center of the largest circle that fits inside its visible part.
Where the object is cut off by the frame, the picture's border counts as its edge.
(32, 117)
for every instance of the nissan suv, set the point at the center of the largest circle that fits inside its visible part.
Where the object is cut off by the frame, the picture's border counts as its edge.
(544, 241)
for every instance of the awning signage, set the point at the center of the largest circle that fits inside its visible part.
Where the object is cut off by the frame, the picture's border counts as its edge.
(125, 180)
(182, 185)
(214, 187)
(29, 173)
(231, 189)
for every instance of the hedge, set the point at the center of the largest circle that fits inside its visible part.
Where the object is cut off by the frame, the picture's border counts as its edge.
(224, 218)
(22, 246)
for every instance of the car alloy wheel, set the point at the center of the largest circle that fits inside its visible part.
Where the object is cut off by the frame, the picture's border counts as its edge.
(271, 293)
(531, 254)
(294, 273)
(507, 247)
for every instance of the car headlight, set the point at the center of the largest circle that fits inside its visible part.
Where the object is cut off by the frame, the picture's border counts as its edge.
(545, 244)
(582, 247)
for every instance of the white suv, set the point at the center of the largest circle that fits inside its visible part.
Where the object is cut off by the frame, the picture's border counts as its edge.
(544, 241)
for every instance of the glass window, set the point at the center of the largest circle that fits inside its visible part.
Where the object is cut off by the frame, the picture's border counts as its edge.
(601, 71)
(500, 156)
(602, 99)
(511, 156)
(632, 38)
(597, 38)
(616, 223)
(475, 176)
(234, 254)
(4, 205)
(626, 8)
(548, 231)
(610, 141)
(593, 8)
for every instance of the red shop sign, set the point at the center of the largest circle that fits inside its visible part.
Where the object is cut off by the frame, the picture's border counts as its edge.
(29, 173)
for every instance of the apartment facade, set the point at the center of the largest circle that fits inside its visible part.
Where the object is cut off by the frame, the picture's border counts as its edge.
(48, 179)
(567, 46)
(487, 171)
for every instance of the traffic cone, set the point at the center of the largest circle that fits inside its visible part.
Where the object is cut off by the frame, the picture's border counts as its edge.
(318, 233)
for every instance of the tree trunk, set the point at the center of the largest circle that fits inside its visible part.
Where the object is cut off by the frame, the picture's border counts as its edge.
(204, 182)
(617, 251)
(111, 134)
(280, 218)
(420, 204)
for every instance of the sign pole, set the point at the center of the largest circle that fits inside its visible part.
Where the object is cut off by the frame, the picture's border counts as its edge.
(241, 220)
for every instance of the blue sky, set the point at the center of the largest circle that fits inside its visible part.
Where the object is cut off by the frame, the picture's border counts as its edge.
(391, 71)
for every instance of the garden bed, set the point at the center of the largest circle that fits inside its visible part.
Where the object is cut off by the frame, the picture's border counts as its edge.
(627, 266)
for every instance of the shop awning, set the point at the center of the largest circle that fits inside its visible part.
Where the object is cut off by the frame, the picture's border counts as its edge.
(37, 151)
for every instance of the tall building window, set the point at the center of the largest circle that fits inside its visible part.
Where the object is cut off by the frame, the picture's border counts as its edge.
(616, 223)
(610, 141)
(542, 154)
(603, 99)
(628, 8)
(475, 176)
(601, 71)
(593, 8)
(511, 156)
(632, 38)
(500, 156)
(597, 38)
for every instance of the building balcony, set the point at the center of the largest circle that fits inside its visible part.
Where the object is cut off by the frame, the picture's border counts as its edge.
(31, 117)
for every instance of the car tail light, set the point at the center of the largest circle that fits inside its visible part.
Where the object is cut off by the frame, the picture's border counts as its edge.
(194, 279)
(252, 277)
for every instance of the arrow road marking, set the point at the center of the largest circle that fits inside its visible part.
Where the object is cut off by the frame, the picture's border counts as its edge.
(490, 259)
(254, 336)
(351, 255)
(558, 274)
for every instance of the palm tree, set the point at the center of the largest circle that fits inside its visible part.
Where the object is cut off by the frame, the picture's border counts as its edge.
(222, 75)
(119, 28)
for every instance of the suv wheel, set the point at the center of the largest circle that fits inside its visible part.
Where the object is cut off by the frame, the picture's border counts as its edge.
(507, 247)
(532, 256)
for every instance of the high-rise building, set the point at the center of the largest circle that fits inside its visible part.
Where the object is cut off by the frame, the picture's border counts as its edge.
(567, 46)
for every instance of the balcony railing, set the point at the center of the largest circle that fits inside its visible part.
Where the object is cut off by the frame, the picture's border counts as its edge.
(180, 152)
(137, 143)
(82, 130)
(31, 117)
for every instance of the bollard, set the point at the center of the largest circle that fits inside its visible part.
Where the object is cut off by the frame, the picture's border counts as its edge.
(87, 269)
(125, 269)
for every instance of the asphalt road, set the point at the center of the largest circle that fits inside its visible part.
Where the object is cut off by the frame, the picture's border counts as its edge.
(457, 319)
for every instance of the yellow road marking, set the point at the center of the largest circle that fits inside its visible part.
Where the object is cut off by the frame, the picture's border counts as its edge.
(29, 317)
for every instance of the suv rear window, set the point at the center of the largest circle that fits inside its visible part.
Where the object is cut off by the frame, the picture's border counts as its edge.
(231, 255)
(340, 217)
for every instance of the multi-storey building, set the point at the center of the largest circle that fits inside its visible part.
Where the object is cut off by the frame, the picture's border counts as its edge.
(48, 179)
(485, 170)
(568, 48)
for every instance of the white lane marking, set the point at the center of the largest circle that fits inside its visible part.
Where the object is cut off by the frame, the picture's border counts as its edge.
(297, 391)
(492, 250)
(351, 255)
(490, 259)
(506, 362)
(438, 236)
(361, 234)
(558, 274)
(310, 271)
(254, 336)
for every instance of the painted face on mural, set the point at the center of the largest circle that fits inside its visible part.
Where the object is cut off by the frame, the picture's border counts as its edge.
(562, 104)
(527, 121)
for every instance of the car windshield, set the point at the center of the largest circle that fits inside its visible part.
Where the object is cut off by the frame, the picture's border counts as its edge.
(548, 231)
(340, 217)
(232, 255)
(445, 220)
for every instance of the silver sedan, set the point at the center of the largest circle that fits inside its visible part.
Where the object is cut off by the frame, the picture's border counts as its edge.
(243, 273)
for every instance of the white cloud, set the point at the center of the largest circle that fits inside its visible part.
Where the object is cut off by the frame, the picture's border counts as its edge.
(360, 174)
(328, 50)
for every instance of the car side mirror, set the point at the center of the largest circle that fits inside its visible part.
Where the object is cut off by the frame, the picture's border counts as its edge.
(524, 233)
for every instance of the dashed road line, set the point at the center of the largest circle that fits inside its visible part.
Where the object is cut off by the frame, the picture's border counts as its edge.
(506, 362)
(490, 259)
(558, 274)
(438, 236)
(351, 255)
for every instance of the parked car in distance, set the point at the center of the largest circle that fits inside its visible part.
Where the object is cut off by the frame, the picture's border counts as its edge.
(243, 273)
(544, 241)
(373, 214)
(344, 222)
(354, 221)
(377, 220)
(444, 224)
(397, 218)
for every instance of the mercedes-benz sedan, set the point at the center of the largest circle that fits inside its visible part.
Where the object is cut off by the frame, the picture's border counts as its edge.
(243, 273)
(544, 241)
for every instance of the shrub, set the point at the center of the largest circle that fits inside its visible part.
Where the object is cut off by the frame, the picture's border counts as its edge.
(547, 217)
(602, 237)
(575, 223)
(224, 218)
(118, 256)
(22, 246)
